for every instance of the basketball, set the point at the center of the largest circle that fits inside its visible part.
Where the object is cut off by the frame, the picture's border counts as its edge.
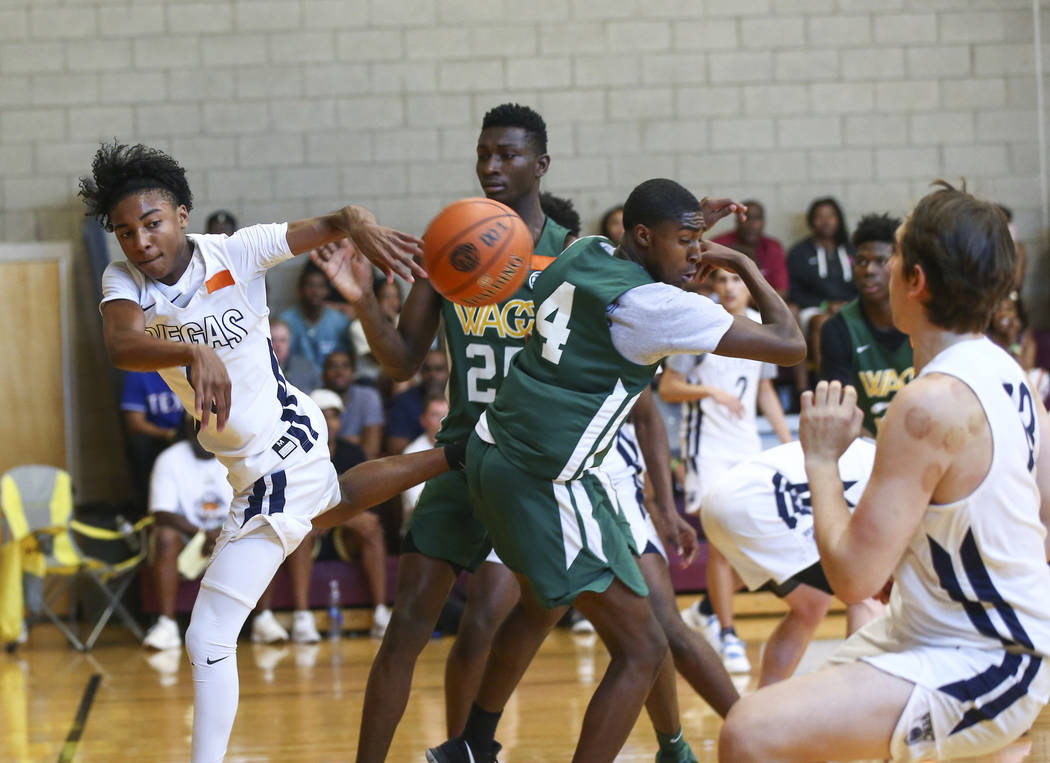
(476, 252)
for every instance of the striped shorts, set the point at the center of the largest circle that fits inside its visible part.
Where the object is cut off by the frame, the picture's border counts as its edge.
(286, 499)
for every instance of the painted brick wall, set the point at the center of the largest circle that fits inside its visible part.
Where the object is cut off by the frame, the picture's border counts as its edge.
(284, 108)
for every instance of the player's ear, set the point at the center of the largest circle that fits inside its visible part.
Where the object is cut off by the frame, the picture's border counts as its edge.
(917, 283)
(543, 163)
(642, 235)
(182, 215)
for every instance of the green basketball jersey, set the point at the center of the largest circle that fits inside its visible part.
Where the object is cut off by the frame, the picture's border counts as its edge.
(569, 391)
(483, 340)
(879, 372)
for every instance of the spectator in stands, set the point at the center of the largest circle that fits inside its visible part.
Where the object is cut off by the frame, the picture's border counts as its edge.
(388, 297)
(820, 271)
(365, 527)
(297, 369)
(404, 422)
(1009, 329)
(152, 418)
(221, 221)
(189, 494)
(860, 345)
(749, 238)
(562, 211)
(435, 409)
(612, 224)
(362, 420)
(317, 330)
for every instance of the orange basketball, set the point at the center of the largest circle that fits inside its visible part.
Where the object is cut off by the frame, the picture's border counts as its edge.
(477, 251)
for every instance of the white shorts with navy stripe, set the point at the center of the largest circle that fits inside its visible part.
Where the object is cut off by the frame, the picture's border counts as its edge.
(286, 499)
(628, 493)
(965, 701)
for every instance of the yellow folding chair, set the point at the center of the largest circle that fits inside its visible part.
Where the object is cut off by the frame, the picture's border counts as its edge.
(37, 505)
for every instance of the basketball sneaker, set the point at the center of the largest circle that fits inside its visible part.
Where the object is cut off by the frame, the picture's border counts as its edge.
(581, 624)
(304, 629)
(458, 751)
(163, 635)
(734, 654)
(706, 624)
(266, 629)
(380, 620)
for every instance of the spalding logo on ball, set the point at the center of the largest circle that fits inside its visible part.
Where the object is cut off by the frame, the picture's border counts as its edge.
(477, 252)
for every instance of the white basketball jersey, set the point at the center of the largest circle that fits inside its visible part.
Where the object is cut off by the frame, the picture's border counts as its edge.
(624, 459)
(975, 574)
(709, 429)
(196, 488)
(269, 419)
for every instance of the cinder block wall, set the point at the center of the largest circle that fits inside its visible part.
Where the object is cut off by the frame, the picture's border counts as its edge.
(284, 108)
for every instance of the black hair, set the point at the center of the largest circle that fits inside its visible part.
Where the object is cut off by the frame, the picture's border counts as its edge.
(516, 115)
(657, 200)
(220, 217)
(119, 170)
(561, 211)
(964, 247)
(603, 226)
(879, 228)
(842, 234)
(308, 269)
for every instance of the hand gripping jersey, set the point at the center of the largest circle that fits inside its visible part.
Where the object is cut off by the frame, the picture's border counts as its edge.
(269, 419)
(483, 340)
(975, 573)
(568, 392)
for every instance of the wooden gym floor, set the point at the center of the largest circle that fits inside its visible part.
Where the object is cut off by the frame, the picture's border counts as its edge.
(303, 703)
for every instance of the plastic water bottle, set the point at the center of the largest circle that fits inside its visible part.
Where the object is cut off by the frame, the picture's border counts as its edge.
(128, 531)
(335, 612)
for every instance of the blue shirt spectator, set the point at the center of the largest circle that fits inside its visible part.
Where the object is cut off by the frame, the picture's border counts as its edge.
(146, 392)
(317, 331)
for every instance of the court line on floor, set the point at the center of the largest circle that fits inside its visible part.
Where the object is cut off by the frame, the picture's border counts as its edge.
(69, 749)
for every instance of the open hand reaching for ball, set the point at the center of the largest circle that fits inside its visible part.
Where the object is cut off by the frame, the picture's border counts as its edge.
(349, 272)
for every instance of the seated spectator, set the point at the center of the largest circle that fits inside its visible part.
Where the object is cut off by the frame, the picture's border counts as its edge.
(365, 527)
(189, 494)
(767, 252)
(317, 330)
(152, 418)
(820, 271)
(403, 421)
(860, 345)
(1009, 329)
(362, 420)
(299, 371)
(561, 211)
(611, 225)
(388, 297)
(222, 222)
(435, 409)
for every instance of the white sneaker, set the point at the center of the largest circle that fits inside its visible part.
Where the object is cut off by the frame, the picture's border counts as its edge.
(734, 654)
(266, 629)
(163, 635)
(380, 620)
(706, 624)
(582, 625)
(304, 629)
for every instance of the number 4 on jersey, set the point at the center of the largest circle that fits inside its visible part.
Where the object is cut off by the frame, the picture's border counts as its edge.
(555, 330)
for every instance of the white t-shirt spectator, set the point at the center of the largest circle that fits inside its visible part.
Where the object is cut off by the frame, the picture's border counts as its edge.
(195, 488)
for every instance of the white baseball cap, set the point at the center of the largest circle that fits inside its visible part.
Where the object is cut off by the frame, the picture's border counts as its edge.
(326, 398)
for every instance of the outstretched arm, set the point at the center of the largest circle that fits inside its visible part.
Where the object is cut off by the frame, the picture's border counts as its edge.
(778, 338)
(390, 250)
(400, 350)
(372, 482)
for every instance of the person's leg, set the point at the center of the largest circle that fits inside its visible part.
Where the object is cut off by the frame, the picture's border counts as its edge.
(492, 592)
(226, 597)
(721, 585)
(637, 648)
(423, 584)
(818, 716)
(167, 543)
(787, 643)
(300, 567)
(693, 656)
(369, 531)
